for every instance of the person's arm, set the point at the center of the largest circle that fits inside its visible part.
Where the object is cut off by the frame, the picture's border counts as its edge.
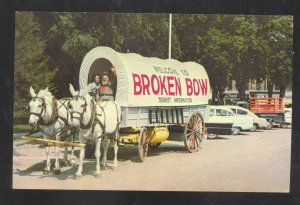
(113, 80)
(113, 70)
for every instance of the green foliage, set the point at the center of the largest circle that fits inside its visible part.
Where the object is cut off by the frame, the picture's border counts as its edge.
(275, 35)
(31, 61)
(70, 36)
(242, 48)
(203, 39)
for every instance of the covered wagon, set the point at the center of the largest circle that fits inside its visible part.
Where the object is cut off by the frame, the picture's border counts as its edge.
(154, 94)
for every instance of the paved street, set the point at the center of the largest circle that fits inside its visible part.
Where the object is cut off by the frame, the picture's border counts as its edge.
(249, 162)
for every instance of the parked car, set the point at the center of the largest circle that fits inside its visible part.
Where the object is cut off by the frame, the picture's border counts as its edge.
(224, 115)
(288, 115)
(258, 121)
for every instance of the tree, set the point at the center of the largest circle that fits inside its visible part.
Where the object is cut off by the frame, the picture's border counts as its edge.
(276, 39)
(242, 31)
(70, 36)
(31, 60)
(203, 39)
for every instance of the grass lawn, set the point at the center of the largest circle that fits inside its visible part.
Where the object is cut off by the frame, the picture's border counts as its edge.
(22, 128)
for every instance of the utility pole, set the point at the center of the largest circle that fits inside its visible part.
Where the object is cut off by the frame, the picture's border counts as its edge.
(170, 34)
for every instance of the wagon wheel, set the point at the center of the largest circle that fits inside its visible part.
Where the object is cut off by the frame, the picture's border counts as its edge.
(143, 144)
(154, 144)
(194, 132)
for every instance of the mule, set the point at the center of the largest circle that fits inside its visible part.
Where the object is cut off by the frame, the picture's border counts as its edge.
(94, 121)
(51, 117)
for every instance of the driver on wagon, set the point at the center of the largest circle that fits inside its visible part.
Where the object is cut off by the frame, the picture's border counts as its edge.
(106, 87)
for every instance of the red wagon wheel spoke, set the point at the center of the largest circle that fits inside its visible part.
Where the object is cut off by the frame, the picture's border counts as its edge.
(194, 132)
(189, 134)
(190, 130)
(143, 144)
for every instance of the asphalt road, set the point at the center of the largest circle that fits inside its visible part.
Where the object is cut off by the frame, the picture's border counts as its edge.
(250, 162)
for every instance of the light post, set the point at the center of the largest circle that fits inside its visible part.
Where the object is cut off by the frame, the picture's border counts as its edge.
(170, 34)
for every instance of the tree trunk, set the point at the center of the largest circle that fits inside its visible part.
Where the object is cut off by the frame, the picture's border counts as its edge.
(213, 96)
(270, 88)
(282, 82)
(282, 90)
(220, 92)
(240, 86)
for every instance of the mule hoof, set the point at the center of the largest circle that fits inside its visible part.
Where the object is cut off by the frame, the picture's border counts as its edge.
(46, 172)
(57, 171)
(77, 177)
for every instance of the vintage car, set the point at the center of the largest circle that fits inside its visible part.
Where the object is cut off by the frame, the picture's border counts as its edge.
(223, 115)
(258, 121)
(288, 115)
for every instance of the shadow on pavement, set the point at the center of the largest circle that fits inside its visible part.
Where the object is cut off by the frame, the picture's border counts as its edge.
(219, 138)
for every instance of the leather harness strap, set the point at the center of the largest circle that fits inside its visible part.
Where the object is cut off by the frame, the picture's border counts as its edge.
(54, 117)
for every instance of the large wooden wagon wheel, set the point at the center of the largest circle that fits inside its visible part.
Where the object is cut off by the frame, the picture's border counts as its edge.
(143, 144)
(194, 132)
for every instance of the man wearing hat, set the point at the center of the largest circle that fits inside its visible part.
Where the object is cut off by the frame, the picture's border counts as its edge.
(106, 87)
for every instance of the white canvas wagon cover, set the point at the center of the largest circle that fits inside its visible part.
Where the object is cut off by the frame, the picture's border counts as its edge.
(148, 81)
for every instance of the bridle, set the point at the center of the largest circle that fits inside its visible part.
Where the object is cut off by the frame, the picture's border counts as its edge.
(80, 117)
(53, 117)
(43, 106)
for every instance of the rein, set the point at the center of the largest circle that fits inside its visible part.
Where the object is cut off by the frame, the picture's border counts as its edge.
(53, 119)
(80, 118)
(43, 106)
(54, 114)
(103, 125)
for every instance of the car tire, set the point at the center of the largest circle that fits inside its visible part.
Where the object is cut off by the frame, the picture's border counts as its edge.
(254, 128)
(211, 136)
(269, 127)
(236, 130)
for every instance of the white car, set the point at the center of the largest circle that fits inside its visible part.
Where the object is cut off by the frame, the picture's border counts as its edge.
(222, 114)
(258, 121)
(288, 115)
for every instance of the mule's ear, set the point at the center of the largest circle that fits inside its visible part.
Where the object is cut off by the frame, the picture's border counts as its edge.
(32, 93)
(46, 89)
(72, 90)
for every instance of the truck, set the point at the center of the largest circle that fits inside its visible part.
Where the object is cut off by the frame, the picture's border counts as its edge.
(272, 109)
